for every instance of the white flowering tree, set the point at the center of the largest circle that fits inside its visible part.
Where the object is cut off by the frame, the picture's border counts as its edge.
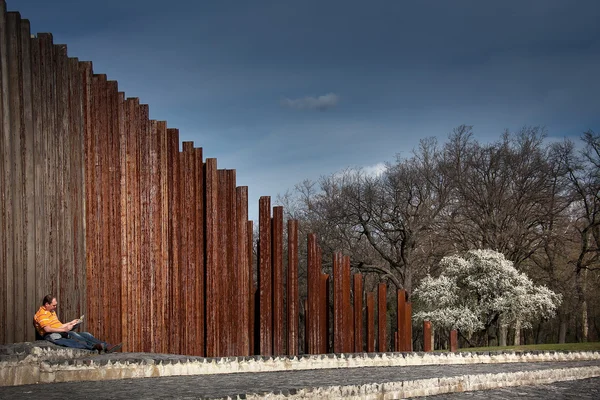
(479, 290)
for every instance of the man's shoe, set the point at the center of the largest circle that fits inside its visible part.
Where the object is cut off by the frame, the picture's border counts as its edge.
(111, 348)
(98, 347)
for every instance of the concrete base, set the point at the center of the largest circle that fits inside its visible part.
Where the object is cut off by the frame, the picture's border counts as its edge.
(43, 362)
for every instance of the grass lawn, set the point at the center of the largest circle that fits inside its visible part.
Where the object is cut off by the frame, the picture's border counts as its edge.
(542, 347)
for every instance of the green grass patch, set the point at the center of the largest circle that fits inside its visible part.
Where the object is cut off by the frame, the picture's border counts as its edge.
(590, 346)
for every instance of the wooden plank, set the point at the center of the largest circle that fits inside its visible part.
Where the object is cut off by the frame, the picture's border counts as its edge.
(370, 322)
(6, 247)
(382, 317)
(127, 144)
(265, 275)
(244, 278)
(279, 341)
(212, 258)
(292, 288)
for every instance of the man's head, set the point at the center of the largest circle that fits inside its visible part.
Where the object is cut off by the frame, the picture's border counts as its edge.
(49, 302)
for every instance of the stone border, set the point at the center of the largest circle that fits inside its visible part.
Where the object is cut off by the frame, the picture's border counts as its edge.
(47, 365)
(434, 386)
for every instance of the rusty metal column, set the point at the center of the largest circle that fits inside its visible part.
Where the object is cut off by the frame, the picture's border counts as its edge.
(408, 326)
(230, 278)
(244, 274)
(199, 254)
(338, 304)
(265, 275)
(252, 287)
(381, 317)
(211, 216)
(347, 331)
(324, 313)
(313, 297)
(292, 288)
(358, 313)
(371, 322)
(453, 340)
(427, 342)
(279, 341)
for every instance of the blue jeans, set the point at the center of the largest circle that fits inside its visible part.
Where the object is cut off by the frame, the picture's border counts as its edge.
(83, 340)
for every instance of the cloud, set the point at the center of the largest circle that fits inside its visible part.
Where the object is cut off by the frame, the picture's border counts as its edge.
(375, 170)
(321, 103)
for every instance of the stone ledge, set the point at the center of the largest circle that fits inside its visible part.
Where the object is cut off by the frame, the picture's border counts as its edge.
(47, 363)
(434, 386)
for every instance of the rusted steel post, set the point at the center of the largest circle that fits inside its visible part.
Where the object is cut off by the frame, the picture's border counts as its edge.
(382, 317)
(188, 278)
(199, 250)
(427, 344)
(231, 278)
(408, 324)
(252, 295)
(173, 309)
(159, 320)
(358, 313)
(265, 277)
(370, 322)
(453, 340)
(223, 299)
(244, 285)
(324, 314)
(314, 276)
(347, 331)
(338, 304)
(402, 332)
(211, 216)
(292, 288)
(163, 146)
(279, 341)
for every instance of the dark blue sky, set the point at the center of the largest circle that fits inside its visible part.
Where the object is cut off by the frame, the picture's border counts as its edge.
(288, 90)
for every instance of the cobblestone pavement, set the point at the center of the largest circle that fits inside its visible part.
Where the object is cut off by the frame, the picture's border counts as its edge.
(211, 386)
(581, 389)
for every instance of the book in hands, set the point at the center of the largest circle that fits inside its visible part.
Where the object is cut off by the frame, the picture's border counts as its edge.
(79, 321)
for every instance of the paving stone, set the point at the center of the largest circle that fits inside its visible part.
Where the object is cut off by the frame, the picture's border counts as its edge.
(585, 389)
(221, 385)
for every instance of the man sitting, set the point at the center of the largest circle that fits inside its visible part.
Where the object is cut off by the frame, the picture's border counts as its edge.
(50, 328)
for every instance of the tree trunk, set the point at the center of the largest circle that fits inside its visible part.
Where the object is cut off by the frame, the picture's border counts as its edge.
(503, 335)
(562, 332)
(517, 341)
(580, 278)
